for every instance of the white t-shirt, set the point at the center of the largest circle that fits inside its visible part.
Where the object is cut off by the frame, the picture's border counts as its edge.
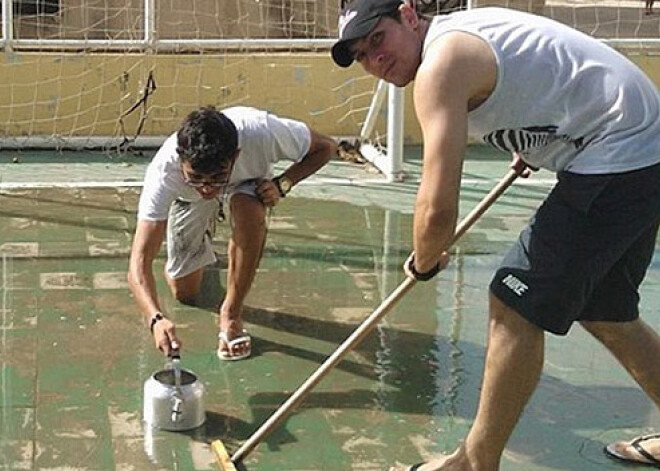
(563, 99)
(263, 139)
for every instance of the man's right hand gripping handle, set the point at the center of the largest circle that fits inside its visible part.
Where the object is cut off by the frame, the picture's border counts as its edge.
(410, 270)
(164, 333)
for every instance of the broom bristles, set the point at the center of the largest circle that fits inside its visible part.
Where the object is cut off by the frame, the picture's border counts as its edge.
(224, 460)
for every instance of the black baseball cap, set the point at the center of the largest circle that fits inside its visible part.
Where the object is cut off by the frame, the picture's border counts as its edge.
(356, 21)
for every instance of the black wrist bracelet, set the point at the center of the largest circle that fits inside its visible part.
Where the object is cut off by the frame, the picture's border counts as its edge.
(426, 276)
(154, 320)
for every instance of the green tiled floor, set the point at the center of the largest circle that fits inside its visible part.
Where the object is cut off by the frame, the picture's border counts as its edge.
(74, 355)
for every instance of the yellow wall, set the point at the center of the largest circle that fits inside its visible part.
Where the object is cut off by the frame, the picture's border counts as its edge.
(85, 95)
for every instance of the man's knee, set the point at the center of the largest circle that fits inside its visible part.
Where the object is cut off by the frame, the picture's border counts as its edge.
(183, 295)
(185, 289)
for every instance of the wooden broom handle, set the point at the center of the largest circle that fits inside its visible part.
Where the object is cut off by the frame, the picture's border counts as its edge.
(365, 328)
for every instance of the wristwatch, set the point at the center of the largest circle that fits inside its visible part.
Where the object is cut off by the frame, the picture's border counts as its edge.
(284, 184)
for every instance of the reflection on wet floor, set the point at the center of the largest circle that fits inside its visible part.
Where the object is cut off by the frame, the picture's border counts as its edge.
(75, 355)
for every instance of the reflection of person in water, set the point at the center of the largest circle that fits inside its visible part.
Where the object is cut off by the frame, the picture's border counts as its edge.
(649, 7)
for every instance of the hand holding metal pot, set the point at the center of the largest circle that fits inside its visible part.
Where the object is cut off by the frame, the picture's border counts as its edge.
(173, 397)
(164, 334)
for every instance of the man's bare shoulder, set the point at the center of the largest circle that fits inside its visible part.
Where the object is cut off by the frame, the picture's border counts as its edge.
(455, 47)
(458, 61)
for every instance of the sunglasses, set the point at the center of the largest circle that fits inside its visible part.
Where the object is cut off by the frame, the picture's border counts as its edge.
(220, 182)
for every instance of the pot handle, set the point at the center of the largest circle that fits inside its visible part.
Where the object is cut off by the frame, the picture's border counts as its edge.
(177, 401)
(176, 408)
(175, 359)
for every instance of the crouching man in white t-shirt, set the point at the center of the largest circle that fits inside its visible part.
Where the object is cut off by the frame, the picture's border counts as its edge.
(215, 158)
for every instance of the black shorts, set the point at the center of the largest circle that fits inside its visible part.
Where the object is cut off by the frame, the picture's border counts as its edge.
(585, 252)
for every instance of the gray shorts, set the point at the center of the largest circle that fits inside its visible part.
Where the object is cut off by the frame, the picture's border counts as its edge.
(585, 252)
(190, 230)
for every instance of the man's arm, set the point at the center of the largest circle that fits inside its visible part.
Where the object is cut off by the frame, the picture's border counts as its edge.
(322, 148)
(146, 244)
(457, 74)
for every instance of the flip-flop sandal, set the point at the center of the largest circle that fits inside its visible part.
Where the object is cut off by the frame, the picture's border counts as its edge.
(413, 467)
(611, 451)
(241, 339)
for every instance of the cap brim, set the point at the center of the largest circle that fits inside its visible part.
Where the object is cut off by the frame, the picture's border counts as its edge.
(341, 52)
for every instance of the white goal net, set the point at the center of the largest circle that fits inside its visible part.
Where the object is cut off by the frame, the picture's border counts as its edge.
(121, 73)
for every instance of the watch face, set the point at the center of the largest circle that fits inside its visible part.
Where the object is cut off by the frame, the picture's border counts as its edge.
(285, 185)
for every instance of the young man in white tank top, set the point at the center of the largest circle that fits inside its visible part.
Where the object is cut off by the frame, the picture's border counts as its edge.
(556, 99)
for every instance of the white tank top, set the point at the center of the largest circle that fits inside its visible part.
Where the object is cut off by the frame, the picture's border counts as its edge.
(563, 99)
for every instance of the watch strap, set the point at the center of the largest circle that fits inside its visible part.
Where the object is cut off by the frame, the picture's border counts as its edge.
(154, 320)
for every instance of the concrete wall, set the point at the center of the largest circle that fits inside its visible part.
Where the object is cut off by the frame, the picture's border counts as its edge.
(185, 19)
(85, 95)
(91, 94)
(124, 19)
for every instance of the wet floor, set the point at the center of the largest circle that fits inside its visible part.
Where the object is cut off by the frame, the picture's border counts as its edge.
(74, 354)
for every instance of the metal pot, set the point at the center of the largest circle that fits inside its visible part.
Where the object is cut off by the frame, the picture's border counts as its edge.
(173, 398)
